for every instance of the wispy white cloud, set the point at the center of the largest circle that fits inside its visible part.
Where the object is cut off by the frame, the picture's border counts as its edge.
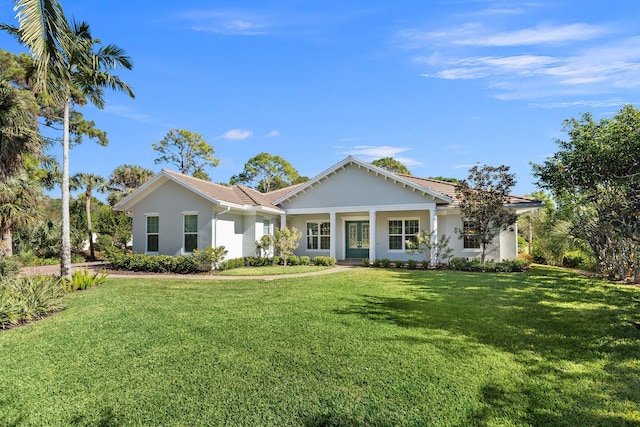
(467, 166)
(228, 22)
(374, 152)
(274, 133)
(237, 134)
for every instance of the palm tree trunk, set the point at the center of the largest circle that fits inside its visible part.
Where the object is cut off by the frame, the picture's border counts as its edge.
(6, 245)
(87, 205)
(65, 245)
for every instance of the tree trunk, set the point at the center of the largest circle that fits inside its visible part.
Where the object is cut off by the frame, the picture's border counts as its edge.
(65, 245)
(6, 246)
(87, 205)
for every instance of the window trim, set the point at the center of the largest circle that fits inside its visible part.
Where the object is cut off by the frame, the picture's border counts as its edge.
(318, 237)
(466, 237)
(147, 234)
(404, 234)
(185, 233)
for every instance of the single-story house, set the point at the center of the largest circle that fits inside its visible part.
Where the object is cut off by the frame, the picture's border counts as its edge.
(352, 210)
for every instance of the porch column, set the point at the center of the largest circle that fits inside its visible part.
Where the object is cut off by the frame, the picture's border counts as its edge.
(434, 235)
(283, 221)
(332, 234)
(372, 235)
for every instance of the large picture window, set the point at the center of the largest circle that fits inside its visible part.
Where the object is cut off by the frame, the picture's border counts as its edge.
(401, 230)
(470, 235)
(318, 235)
(190, 232)
(153, 233)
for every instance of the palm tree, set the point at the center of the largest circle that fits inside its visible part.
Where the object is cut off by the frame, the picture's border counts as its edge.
(67, 65)
(124, 179)
(89, 182)
(19, 207)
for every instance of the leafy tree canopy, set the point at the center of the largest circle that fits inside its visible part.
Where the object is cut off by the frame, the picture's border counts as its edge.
(188, 151)
(392, 165)
(124, 179)
(482, 198)
(266, 172)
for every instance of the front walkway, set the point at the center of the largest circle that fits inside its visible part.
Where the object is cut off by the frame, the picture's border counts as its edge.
(101, 267)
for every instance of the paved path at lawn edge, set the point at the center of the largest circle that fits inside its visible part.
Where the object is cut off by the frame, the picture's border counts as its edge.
(100, 267)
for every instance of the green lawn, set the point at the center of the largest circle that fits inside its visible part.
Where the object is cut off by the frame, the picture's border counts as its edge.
(363, 347)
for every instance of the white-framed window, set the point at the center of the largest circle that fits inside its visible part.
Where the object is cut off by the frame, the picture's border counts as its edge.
(266, 227)
(153, 232)
(470, 235)
(190, 230)
(401, 230)
(318, 235)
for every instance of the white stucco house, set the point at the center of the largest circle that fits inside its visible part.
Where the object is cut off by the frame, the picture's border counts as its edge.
(352, 210)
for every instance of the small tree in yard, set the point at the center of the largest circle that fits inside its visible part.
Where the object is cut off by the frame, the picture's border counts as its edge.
(433, 252)
(483, 196)
(286, 241)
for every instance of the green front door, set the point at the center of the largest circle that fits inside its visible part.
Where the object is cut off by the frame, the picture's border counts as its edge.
(357, 239)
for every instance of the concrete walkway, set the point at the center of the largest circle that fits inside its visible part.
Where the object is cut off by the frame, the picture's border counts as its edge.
(101, 267)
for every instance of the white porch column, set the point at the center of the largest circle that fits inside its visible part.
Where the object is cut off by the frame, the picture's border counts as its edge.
(434, 235)
(372, 235)
(332, 235)
(283, 221)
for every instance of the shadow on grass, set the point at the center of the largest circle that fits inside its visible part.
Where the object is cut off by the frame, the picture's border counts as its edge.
(552, 321)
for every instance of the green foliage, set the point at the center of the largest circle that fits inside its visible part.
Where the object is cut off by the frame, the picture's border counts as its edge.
(186, 150)
(440, 251)
(386, 262)
(365, 262)
(324, 261)
(117, 225)
(483, 196)
(392, 165)
(265, 245)
(124, 180)
(266, 172)
(28, 298)
(103, 241)
(398, 263)
(82, 279)
(9, 268)
(305, 260)
(286, 241)
(376, 263)
(412, 264)
(507, 266)
(210, 258)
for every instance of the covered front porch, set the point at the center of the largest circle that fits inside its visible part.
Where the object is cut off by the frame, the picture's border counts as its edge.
(357, 233)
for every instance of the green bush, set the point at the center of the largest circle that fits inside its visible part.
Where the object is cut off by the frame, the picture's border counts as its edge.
(82, 279)
(386, 262)
(9, 267)
(573, 259)
(412, 264)
(365, 262)
(232, 263)
(305, 260)
(426, 264)
(510, 266)
(376, 263)
(293, 260)
(324, 260)
(28, 298)
(103, 241)
(398, 264)
(209, 259)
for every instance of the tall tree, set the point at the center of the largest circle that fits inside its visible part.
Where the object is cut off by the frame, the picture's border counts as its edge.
(596, 175)
(392, 165)
(67, 65)
(188, 151)
(124, 179)
(483, 196)
(89, 182)
(266, 172)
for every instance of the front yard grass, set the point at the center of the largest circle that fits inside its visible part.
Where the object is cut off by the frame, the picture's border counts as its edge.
(363, 347)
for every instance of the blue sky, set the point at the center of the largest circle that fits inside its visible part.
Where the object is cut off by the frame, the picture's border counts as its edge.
(438, 85)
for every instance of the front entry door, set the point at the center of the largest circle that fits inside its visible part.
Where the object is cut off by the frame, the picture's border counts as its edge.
(357, 239)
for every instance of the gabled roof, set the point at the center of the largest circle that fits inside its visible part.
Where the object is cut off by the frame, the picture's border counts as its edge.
(238, 196)
(294, 191)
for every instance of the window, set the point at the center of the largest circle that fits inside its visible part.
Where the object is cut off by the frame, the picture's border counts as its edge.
(153, 229)
(190, 232)
(266, 227)
(318, 235)
(401, 230)
(470, 235)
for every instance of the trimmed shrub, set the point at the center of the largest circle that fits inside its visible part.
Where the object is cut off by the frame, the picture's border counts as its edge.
(305, 260)
(426, 264)
(398, 264)
(324, 260)
(386, 262)
(412, 264)
(365, 262)
(376, 263)
(293, 260)
(510, 266)
(573, 259)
